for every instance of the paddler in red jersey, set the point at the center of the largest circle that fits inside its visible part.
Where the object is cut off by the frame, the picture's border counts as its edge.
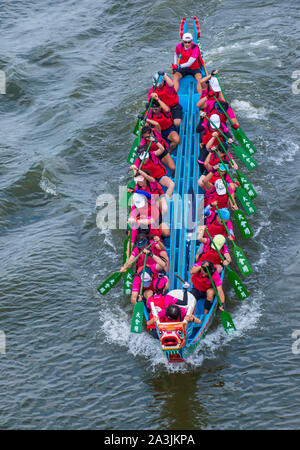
(202, 287)
(167, 93)
(161, 113)
(210, 253)
(155, 267)
(187, 61)
(154, 167)
(215, 190)
(147, 184)
(217, 155)
(151, 135)
(145, 215)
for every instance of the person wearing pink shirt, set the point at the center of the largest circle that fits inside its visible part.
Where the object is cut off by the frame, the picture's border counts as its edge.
(202, 286)
(166, 91)
(187, 61)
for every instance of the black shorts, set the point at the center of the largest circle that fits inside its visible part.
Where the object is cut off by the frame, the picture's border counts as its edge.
(164, 153)
(187, 71)
(198, 294)
(176, 111)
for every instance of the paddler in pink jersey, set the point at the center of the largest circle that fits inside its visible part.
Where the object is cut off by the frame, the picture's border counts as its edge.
(167, 93)
(202, 286)
(154, 267)
(187, 61)
(150, 134)
(210, 253)
(155, 168)
(160, 114)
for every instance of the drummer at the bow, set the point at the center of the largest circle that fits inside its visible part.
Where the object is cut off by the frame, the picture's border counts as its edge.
(190, 61)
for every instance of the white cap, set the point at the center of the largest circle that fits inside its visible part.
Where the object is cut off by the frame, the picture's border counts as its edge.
(215, 118)
(187, 37)
(156, 77)
(141, 155)
(214, 84)
(147, 279)
(138, 200)
(220, 188)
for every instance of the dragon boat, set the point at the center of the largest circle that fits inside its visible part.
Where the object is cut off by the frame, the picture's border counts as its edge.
(178, 340)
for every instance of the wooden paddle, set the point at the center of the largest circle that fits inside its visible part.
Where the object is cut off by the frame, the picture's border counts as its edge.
(226, 318)
(232, 276)
(138, 311)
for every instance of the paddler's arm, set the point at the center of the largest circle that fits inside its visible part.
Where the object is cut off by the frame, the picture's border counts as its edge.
(155, 124)
(195, 269)
(146, 176)
(160, 150)
(162, 104)
(127, 264)
(168, 80)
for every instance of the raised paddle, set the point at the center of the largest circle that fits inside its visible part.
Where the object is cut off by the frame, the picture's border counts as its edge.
(138, 311)
(238, 253)
(226, 318)
(115, 277)
(232, 276)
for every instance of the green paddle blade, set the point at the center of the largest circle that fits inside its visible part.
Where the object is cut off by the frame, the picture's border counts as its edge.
(227, 322)
(125, 249)
(243, 224)
(137, 127)
(125, 199)
(241, 260)
(132, 154)
(110, 282)
(245, 183)
(245, 200)
(127, 282)
(244, 141)
(237, 284)
(249, 162)
(137, 318)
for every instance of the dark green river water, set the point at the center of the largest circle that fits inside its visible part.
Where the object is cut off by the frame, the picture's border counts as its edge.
(77, 74)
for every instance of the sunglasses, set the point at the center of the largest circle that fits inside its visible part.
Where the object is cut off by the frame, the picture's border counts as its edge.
(187, 42)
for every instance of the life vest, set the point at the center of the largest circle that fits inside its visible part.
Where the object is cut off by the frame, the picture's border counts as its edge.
(216, 228)
(212, 255)
(155, 168)
(201, 282)
(159, 138)
(221, 199)
(164, 119)
(170, 99)
(186, 54)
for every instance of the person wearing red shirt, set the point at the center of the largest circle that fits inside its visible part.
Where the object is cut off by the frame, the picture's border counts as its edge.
(190, 62)
(167, 93)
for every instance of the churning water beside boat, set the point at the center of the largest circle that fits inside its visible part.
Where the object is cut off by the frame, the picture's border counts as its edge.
(76, 76)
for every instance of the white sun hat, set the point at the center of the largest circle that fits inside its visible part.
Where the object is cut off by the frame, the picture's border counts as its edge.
(138, 200)
(215, 119)
(220, 188)
(214, 84)
(187, 37)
